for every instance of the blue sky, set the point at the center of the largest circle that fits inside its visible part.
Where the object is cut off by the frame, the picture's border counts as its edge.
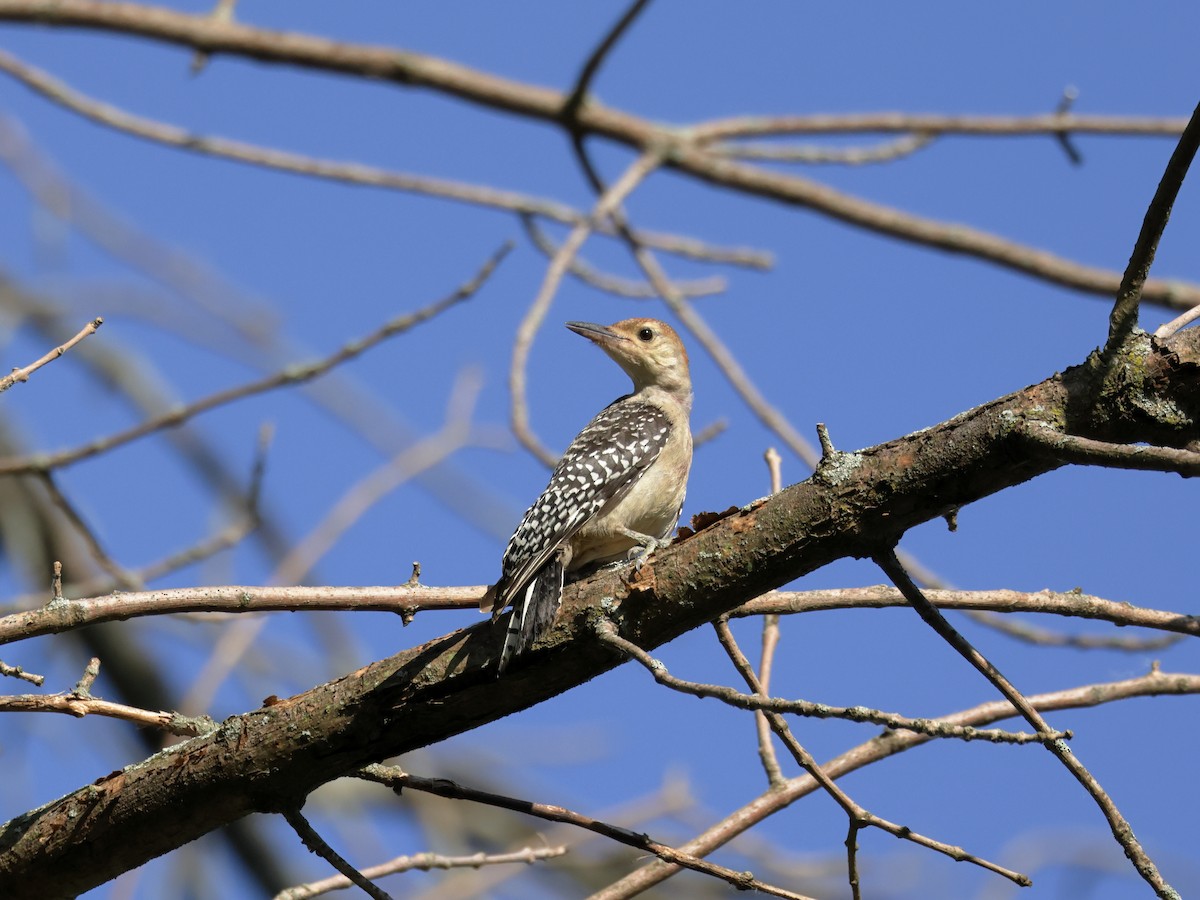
(873, 337)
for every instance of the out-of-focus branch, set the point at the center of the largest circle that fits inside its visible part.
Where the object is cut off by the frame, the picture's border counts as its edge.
(351, 172)
(455, 433)
(293, 375)
(937, 124)
(903, 146)
(422, 862)
(687, 153)
(611, 283)
(771, 417)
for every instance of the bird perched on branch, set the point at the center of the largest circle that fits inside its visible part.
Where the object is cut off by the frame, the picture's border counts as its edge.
(618, 486)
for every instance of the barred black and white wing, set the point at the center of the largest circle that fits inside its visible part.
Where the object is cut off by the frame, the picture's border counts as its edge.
(600, 467)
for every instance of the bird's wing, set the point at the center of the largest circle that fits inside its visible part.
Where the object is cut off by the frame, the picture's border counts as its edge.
(602, 464)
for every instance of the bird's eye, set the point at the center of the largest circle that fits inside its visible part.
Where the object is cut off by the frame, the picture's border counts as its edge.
(646, 334)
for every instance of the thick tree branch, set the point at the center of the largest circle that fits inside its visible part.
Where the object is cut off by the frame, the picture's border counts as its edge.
(269, 759)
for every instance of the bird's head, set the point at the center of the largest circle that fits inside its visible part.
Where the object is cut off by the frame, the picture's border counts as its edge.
(648, 350)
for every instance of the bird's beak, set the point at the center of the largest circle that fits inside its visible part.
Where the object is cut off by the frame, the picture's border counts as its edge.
(599, 334)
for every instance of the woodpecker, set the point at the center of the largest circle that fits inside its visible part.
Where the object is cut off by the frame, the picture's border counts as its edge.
(619, 485)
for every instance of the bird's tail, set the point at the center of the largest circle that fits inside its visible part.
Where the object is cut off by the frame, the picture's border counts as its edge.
(534, 611)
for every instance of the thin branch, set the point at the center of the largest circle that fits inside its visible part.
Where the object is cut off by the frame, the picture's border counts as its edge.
(761, 702)
(1125, 311)
(406, 601)
(1051, 124)
(901, 147)
(1045, 637)
(65, 615)
(857, 814)
(297, 374)
(418, 70)
(7, 671)
(623, 287)
(422, 862)
(229, 536)
(443, 787)
(74, 704)
(1168, 329)
(950, 237)
(22, 375)
(1060, 603)
(1070, 448)
(1121, 829)
(738, 822)
(316, 844)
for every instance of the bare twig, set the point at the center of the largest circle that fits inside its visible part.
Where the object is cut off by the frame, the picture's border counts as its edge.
(1060, 603)
(292, 375)
(422, 862)
(231, 534)
(316, 844)
(22, 375)
(1166, 330)
(8, 671)
(78, 705)
(936, 124)
(1156, 683)
(762, 703)
(443, 787)
(770, 641)
(1120, 827)
(1125, 311)
(858, 815)
(1046, 637)
(407, 601)
(66, 615)
(1070, 448)
(890, 151)
(83, 687)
